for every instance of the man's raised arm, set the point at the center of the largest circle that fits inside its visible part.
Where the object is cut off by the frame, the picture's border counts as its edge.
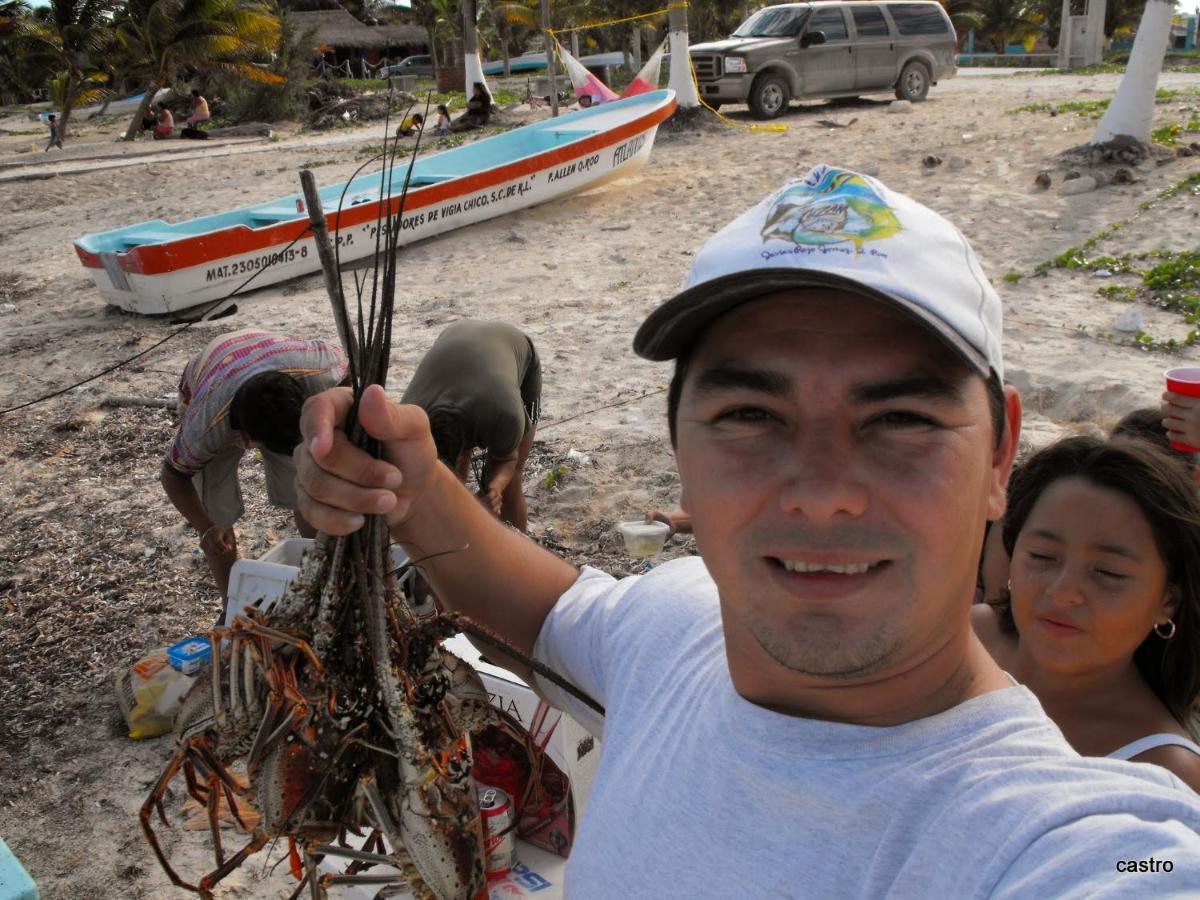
(477, 565)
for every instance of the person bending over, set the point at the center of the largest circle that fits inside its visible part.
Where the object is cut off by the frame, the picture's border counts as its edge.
(244, 390)
(842, 433)
(1101, 618)
(481, 386)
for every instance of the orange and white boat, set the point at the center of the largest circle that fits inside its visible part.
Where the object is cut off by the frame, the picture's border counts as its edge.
(158, 267)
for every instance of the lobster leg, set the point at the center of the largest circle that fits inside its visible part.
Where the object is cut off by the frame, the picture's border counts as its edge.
(214, 817)
(209, 881)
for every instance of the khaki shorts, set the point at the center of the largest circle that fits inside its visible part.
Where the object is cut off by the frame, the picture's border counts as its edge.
(219, 491)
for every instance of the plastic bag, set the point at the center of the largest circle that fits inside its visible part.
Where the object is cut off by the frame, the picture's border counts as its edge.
(150, 693)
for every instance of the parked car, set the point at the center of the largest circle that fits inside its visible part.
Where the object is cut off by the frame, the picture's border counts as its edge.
(413, 65)
(826, 50)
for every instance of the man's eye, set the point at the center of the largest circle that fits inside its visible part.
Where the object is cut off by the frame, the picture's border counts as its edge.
(1040, 557)
(904, 419)
(750, 414)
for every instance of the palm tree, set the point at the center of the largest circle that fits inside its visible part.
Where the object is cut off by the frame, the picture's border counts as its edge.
(1001, 22)
(73, 33)
(208, 35)
(506, 15)
(1131, 113)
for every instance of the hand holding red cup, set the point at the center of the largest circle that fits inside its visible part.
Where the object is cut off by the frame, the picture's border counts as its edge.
(1181, 409)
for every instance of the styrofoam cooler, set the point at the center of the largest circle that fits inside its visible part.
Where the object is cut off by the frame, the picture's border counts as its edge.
(267, 577)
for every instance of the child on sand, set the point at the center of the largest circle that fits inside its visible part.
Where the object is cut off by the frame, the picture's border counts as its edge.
(55, 138)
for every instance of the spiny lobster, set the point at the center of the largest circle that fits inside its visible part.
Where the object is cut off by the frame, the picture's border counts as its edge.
(346, 711)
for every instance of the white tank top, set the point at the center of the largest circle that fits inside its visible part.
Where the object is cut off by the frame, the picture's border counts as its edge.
(1150, 742)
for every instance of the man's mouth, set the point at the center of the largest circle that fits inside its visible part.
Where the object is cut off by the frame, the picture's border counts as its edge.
(808, 567)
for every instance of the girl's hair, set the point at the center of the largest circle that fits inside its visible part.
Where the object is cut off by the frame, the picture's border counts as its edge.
(1167, 498)
(443, 110)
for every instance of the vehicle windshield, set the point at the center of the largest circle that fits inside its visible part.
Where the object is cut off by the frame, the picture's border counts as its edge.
(774, 21)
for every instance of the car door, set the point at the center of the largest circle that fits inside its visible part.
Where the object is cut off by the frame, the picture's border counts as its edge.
(874, 49)
(827, 68)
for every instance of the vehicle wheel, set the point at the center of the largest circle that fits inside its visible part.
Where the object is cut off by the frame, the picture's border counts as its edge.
(914, 82)
(769, 95)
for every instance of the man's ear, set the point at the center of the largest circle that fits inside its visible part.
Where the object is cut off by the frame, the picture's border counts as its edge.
(1005, 453)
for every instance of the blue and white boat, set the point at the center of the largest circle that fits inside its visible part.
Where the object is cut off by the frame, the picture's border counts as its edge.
(161, 267)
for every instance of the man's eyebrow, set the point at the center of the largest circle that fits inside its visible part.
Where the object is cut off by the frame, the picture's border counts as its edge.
(931, 387)
(764, 381)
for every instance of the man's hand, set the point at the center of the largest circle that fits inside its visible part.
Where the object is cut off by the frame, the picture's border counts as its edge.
(1181, 417)
(679, 522)
(217, 541)
(492, 500)
(338, 484)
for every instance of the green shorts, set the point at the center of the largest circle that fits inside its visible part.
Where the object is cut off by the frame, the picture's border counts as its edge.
(218, 489)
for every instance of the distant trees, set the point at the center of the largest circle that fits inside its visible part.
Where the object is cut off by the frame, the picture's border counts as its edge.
(164, 36)
(72, 37)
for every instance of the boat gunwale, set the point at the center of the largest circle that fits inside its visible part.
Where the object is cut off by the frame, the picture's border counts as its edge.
(194, 250)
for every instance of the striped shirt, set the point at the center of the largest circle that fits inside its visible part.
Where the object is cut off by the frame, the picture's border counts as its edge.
(213, 376)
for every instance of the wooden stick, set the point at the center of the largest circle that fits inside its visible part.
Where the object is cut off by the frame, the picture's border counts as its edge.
(156, 402)
(316, 218)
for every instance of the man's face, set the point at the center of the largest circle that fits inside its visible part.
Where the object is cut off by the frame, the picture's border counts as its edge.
(838, 462)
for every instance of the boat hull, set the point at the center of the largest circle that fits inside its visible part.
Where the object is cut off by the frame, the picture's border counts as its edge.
(174, 275)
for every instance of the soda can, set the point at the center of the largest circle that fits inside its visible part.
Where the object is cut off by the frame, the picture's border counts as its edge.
(499, 846)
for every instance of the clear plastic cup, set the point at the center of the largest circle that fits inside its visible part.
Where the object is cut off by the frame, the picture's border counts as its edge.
(644, 538)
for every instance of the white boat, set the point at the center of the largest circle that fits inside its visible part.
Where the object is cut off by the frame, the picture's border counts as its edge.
(158, 267)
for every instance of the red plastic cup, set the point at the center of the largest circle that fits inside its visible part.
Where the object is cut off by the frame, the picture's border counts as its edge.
(1187, 382)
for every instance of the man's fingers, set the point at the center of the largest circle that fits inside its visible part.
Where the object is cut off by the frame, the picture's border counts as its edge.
(326, 518)
(321, 415)
(388, 421)
(363, 492)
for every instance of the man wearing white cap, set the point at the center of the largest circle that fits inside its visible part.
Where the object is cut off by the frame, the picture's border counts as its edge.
(803, 709)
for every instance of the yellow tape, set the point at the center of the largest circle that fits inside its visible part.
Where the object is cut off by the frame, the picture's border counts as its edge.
(649, 15)
(729, 122)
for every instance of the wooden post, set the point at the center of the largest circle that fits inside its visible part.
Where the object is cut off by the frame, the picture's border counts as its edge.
(316, 218)
(551, 60)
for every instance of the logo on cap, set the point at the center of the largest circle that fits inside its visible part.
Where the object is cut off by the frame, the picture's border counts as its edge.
(831, 206)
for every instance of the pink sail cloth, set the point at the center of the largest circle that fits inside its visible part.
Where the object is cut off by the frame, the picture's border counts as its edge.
(647, 77)
(584, 81)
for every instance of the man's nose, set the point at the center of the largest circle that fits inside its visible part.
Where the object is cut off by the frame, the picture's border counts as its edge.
(821, 476)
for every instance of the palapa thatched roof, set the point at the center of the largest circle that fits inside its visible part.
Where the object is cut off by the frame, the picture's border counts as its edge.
(338, 28)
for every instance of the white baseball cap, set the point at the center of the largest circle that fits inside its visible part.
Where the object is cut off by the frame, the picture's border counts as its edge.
(837, 228)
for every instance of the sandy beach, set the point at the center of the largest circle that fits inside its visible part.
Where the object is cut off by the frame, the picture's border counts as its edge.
(96, 567)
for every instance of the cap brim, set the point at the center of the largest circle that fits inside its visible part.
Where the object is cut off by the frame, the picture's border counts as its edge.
(675, 325)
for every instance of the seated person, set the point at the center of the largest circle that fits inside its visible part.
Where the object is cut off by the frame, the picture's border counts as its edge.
(199, 110)
(442, 125)
(1102, 616)
(481, 386)
(164, 122)
(585, 101)
(479, 109)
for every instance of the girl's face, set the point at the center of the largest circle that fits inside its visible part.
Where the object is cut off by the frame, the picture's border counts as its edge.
(1088, 582)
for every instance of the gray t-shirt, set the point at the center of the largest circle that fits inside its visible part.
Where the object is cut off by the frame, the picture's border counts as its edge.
(703, 794)
(476, 369)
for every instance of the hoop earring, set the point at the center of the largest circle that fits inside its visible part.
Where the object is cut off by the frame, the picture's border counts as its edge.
(1170, 632)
